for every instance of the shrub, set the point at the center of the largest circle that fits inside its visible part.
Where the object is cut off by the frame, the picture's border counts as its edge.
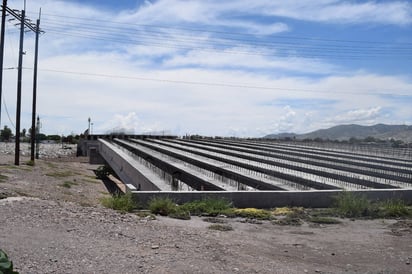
(103, 171)
(30, 163)
(121, 202)
(180, 214)
(253, 213)
(324, 220)
(350, 205)
(209, 206)
(6, 266)
(162, 206)
(221, 227)
(394, 208)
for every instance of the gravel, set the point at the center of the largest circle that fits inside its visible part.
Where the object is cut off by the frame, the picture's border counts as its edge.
(48, 228)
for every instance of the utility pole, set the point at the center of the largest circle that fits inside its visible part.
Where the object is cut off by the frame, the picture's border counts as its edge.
(23, 23)
(33, 117)
(3, 27)
(19, 76)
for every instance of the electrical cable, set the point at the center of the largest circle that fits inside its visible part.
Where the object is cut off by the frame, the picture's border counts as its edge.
(231, 85)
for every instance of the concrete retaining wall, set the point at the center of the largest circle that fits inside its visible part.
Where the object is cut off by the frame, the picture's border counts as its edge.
(270, 199)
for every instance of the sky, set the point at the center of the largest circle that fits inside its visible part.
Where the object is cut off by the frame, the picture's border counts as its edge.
(217, 68)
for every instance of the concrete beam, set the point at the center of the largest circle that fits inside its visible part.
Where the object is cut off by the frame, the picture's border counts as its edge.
(129, 170)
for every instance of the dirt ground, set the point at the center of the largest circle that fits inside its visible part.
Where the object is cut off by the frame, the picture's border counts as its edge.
(51, 221)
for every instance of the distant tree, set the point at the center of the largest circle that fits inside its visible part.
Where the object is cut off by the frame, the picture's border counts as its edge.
(6, 134)
(370, 139)
(23, 132)
(56, 138)
(42, 136)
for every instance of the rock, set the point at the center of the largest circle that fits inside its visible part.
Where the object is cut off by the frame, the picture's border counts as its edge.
(155, 246)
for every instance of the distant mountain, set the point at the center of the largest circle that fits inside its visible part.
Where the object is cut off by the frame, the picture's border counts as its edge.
(345, 132)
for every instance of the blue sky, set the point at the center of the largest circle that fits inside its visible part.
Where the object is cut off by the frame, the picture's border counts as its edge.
(228, 68)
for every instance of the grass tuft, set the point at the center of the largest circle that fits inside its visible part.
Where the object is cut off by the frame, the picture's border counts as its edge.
(351, 205)
(324, 220)
(394, 208)
(162, 206)
(212, 207)
(60, 174)
(3, 178)
(120, 202)
(253, 213)
(221, 227)
(68, 184)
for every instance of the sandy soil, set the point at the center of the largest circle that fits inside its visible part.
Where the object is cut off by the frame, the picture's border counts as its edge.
(48, 227)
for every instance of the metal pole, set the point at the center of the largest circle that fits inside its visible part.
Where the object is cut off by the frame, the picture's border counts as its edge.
(19, 77)
(3, 27)
(33, 116)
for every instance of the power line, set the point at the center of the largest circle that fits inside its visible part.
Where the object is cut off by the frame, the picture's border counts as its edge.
(60, 16)
(243, 86)
(7, 112)
(315, 53)
(172, 37)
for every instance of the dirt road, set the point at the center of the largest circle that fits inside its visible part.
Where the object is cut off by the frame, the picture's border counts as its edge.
(57, 225)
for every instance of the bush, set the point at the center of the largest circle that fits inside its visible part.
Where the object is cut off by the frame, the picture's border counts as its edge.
(209, 206)
(6, 266)
(394, 208)
(221, 227)
(103, 171)
(323, 220)
(253, 213)
(350, 205)
(121, 202)
(162, 206)
(180, 214)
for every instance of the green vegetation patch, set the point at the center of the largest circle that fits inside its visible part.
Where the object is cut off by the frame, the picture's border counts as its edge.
(354, 206)
(253, 213)
(60, 174)
(211, 207)
(120, 202)
(6, 266)
(68, 184)
(394, 209)
(221, 227)
(324, 220)
(3, 178)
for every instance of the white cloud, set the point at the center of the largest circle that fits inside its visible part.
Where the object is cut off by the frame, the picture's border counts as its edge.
(232, 103)
(338, 11)
(363, 116)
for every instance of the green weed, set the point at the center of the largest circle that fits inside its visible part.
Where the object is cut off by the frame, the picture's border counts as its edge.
(60, 174)
(68, 184)
(6, 266)
(324, 220)
(162, 206)
(221, 227)
(3, 178)
(351, 205)
(121, 202)
(394, 208)
(212, 207)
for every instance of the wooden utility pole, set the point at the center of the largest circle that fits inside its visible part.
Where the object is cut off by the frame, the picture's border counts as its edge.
(19, 77)
(3, 27)
(33, 117)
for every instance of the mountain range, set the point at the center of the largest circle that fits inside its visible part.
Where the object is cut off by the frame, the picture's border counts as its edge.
(345, 132)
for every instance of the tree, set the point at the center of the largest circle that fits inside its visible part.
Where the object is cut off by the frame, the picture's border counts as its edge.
(6, 134)
(23, 132)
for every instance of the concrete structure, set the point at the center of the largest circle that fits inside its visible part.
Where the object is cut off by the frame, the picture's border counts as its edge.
(164, 167)
(271, 199)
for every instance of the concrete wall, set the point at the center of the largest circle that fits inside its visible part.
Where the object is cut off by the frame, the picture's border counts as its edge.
(270, 199)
